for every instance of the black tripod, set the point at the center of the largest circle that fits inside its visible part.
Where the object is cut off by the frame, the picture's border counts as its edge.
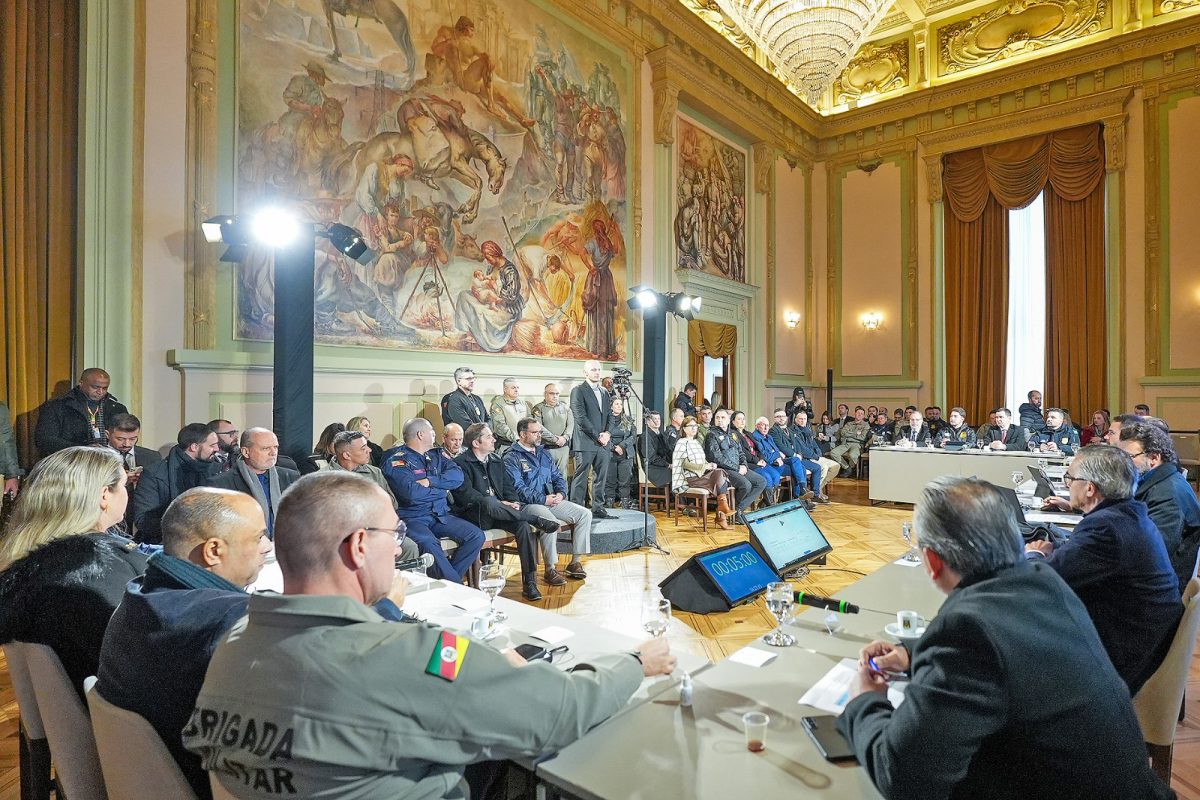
(645, 542)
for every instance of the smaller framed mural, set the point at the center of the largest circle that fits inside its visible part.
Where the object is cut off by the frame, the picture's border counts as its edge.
(710, 202)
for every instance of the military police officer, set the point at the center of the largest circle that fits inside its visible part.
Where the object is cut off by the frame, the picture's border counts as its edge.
(957, 430)
(421, 478)
(721, 449)
(1059, 436)
(851, 437)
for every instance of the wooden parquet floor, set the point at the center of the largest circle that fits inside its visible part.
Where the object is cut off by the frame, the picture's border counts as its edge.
(864, 538)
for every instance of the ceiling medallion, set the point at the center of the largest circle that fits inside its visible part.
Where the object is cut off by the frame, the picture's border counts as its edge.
(809, 41)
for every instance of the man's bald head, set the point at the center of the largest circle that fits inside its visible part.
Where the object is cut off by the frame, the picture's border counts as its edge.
(219, 530)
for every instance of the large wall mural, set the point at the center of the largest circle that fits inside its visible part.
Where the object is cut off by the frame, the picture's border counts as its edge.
(710, 203)
(481, 148)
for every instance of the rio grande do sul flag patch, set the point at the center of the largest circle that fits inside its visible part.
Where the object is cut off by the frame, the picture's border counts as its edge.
(447, 658)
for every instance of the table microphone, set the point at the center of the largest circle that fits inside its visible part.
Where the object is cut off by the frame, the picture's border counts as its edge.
(425, 561)
(816, 601)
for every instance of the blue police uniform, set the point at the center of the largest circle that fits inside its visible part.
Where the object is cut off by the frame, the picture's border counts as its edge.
(534, 475)
(1066, 437)
(426, 510)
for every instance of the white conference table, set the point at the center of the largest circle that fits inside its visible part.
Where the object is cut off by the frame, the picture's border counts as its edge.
(899, 474)
(665, 750)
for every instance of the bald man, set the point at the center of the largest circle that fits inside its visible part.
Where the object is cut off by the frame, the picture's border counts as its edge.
(591, 445)
(256, 473)
(361, 677)
(452, 440)
(79, 417)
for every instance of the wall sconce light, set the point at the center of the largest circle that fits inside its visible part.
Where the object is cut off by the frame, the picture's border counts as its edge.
(872, 320)
(792, 318)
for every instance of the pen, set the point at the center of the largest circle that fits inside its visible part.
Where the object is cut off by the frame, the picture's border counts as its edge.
(887, 676)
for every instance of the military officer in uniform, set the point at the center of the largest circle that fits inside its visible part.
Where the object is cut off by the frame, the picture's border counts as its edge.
(558, 426)
(421, 478)
(1059, 435)
(507, 410)
(957, 430)
(385, 706)
(722, 450)
(852, 436)
(461, 405)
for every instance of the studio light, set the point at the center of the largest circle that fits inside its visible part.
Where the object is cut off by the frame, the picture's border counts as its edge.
(219, 229)
(349, 242)
(684, 306)
(274, 227)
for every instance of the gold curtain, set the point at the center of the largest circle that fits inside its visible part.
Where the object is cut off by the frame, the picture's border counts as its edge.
(712, 339)
(990, 180)
(39, 82)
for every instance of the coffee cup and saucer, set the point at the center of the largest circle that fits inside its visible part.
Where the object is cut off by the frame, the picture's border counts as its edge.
(909, 626)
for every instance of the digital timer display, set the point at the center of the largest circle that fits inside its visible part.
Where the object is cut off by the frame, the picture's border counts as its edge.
(738, 571)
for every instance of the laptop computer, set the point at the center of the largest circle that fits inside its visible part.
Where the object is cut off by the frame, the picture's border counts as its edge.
(1045, 487)
(1033, 518)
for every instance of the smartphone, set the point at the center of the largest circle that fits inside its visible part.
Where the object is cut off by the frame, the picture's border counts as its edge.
(829, 741)
(533, 652)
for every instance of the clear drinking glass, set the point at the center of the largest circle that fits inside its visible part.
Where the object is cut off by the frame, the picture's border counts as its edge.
(1018, 477)
(491, 581)
(779, 603)
(913, 554)
(656, 616)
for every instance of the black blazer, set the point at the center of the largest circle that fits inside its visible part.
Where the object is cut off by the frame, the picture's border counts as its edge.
(232, 479)
(480, 482)
(591, 419)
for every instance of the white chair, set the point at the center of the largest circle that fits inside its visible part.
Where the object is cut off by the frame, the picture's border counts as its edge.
(34, 750)
(133, 757)
(68, 729)
(1157, 703)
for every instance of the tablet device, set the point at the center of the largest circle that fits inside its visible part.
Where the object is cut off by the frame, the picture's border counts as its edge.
(825, 735)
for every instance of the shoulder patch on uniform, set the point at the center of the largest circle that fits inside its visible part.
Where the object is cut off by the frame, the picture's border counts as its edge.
(447, 658)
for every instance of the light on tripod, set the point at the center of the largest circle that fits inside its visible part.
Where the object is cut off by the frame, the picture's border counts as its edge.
(274, 227)
(643, 297)
(684, 306)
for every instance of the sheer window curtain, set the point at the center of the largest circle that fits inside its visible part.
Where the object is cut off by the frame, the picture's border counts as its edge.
(1026, 362)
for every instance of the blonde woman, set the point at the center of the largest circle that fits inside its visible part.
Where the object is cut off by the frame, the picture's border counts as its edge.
(63, 574)
(691, 468)
(363, 425)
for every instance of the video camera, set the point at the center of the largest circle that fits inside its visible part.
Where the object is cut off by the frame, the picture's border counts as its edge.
(621, 384)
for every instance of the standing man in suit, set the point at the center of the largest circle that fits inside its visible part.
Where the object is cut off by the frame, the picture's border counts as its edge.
(461, 405)
(257, 475)
(591, 408)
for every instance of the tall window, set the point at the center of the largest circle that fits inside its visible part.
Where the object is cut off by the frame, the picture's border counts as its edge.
(1026, 303)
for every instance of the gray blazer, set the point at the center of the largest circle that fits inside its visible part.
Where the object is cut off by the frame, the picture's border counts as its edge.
(591, 420)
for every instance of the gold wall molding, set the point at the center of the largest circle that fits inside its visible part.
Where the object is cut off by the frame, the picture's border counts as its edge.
(933, 175)
(666, 104)
(764, 167)
(1114, 142)
(875, 70)
(1171, 6)
(1016, 28)
(200, 175)
(710, 12)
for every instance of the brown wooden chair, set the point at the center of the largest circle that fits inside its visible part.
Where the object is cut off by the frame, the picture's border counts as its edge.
(699, 498)
(649, 493)
(509, 546)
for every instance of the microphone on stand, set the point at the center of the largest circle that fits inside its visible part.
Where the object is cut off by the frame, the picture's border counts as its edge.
(425, 561)
(817, 601)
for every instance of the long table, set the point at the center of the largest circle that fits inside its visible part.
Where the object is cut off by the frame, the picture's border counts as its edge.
(898, 474)
(660, 749)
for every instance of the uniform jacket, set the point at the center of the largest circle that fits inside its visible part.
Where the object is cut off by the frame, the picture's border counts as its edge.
(1175, 511)
(591, 419)
(62, 595)
(1014, 437)
(463, 408)
(375, 719)
(1117, 564)
(556, 420)
(403, 467)
(1066, 437)
(964, 433)
(375, 474)
(533, 475)
(1030, 417)
(854, 433)
(1012, 698)
(723, 450)
(622, 432)
(686, 403)
(160, 484)
(905, 431)
(481, 479)
(936, 426)
(505, 415)
(63, 421)
(807, 446)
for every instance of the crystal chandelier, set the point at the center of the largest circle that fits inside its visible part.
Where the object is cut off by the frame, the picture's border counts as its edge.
(809, 41)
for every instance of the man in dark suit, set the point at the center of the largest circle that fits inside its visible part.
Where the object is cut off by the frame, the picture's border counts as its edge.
(1004, 435)
(461, 405)
(188, 465)
(80, 417)
(590, 405)
(122, 433)
(256, 473)
(1170, 501)
(488, 499)
(1116, 562)
(1011, 693)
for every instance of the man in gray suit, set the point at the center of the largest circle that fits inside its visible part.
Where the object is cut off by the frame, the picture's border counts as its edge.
(590, 444)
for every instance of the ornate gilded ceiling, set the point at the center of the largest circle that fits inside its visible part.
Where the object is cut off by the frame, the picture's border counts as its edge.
(925, 43)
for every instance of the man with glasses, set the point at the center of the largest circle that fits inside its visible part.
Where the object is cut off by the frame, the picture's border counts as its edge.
(387, 710)
(1116, 563)
(352, 453)
(462, 405)
(227, 442)
(1170, 501)
(421, 479)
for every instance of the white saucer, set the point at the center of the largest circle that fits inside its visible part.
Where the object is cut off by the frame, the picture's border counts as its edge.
(893, 629)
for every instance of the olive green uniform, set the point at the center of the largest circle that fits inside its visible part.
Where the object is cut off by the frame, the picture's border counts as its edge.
(319, 696)
(852, 437)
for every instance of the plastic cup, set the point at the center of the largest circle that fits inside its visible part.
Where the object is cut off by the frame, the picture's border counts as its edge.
(755, 723)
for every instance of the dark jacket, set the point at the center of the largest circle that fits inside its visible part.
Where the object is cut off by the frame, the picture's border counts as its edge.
(1115, 561)
(62, 595)
(686, 403)
(622, 432)
(481, 481)
(404, 467)
(160, 484)
(591, 419)
(1066, 438)
(1175, 511)
(145, 457)
(63, 421)
(236, 482)
(1012, 697)
(791, 408)
(921, 437)
(463, 408)
(533, 475)
(657, 455)
(747, 445)
(723, 450)
(784, 438)
(1030, 418)
(807, 446)
(964, 434)
(1014, 438)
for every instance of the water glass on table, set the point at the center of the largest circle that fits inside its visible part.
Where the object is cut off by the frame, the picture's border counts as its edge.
(491, 581)
(912, 555)
(779, 603)
(656, 616)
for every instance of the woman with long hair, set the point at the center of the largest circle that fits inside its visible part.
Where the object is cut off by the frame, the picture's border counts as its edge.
(363, 425)
(623, 437)
(1094, 433)
(63, 573)
(798, 402)
(323, 449)
(691, 468)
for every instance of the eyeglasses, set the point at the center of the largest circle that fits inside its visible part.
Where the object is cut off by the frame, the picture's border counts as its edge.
(1138, 453)
(399, 532)
(1067, 479)
(233, 432)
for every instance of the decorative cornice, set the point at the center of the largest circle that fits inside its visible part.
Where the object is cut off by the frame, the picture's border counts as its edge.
(875, 70)
(666, 104)
(764, 164)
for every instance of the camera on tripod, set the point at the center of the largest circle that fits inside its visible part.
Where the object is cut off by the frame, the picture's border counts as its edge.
(621, 384)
